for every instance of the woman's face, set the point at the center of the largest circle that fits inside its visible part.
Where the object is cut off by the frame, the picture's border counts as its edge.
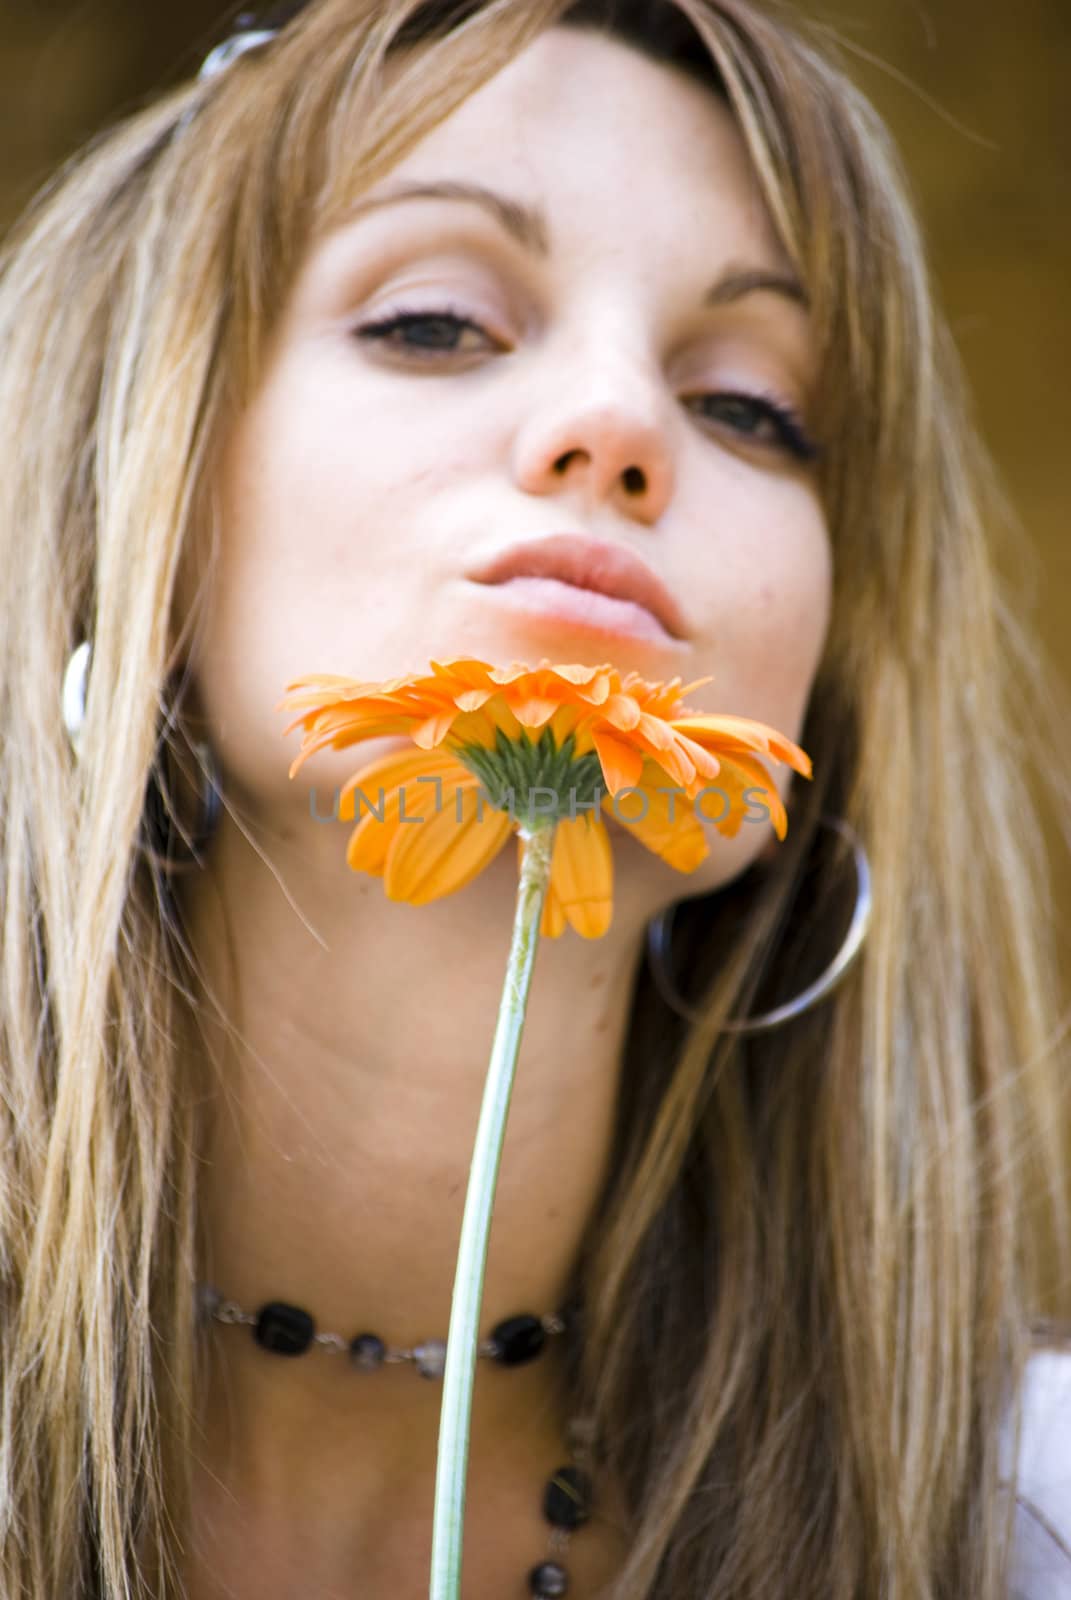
(578, 383)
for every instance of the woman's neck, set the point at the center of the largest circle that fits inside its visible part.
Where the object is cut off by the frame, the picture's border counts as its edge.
(337, 1158)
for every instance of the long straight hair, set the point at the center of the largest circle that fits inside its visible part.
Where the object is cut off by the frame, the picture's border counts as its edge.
(822, 1255)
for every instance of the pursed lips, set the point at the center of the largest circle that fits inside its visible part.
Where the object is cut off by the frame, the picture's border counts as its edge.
(591, 564)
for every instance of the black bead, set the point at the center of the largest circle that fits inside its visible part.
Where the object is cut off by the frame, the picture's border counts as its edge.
(367, 1351)
(567, 1499)
(519, 1339)
(548, 1580)
(285, 1330)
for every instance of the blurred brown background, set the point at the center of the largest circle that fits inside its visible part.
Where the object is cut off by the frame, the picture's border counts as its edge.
(976, 96)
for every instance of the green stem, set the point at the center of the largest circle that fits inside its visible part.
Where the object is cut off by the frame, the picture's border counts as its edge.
(463, 1336)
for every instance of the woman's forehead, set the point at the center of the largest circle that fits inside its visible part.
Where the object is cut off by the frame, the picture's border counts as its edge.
(577, 118)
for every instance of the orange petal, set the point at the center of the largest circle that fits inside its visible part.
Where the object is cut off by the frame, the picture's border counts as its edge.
(432, 858)
(676, 764)
(472, 727)
(571, 673)
(696, 683)
(511, 674)
(338, 714)
(584, 677)
(397, 768)
(656, 732)
(681, 842)
(621, 763)
(553, 923)
(472, 699)
(622, 711)
(533, 710)
(740, 733)
(725, 805)
(598, 691)
(341, 740)
(566, 720)
(497, 714)
(324, 687)
(467, 670)
(739, 773)
(373, 836)
(704, 761)
(433, 729)
(582, 872)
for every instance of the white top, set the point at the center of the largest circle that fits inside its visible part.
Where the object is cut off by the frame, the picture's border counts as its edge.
(1039, 1569)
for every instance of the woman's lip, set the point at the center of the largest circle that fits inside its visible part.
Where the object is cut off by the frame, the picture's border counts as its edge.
(601, 565)
(585, 610)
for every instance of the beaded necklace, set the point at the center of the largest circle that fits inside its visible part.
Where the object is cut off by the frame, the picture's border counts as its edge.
(288, 1330)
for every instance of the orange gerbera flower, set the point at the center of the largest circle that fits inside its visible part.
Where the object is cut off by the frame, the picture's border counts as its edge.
(548, 740)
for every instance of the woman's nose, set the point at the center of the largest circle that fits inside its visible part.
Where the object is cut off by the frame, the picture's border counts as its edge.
(607, 447)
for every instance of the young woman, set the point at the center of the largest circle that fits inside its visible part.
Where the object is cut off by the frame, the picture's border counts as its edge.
(298, 364)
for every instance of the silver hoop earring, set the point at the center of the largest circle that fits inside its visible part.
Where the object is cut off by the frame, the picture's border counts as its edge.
(160, 820)
(219, 59)
(74, 694)
(659, 932)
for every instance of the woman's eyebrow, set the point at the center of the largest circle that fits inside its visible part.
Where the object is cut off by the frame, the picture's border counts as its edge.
(528, 226)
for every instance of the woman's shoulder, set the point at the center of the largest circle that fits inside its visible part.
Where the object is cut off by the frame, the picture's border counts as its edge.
(1041, 1559)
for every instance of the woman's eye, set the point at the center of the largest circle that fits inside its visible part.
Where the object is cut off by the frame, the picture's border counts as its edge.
(749, 413)
(426, 334)
(433, 332)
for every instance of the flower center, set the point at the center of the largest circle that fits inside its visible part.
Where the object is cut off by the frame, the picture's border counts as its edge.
(536, 782)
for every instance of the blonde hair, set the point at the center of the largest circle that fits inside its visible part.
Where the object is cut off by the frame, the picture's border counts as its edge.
(821, 1256)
